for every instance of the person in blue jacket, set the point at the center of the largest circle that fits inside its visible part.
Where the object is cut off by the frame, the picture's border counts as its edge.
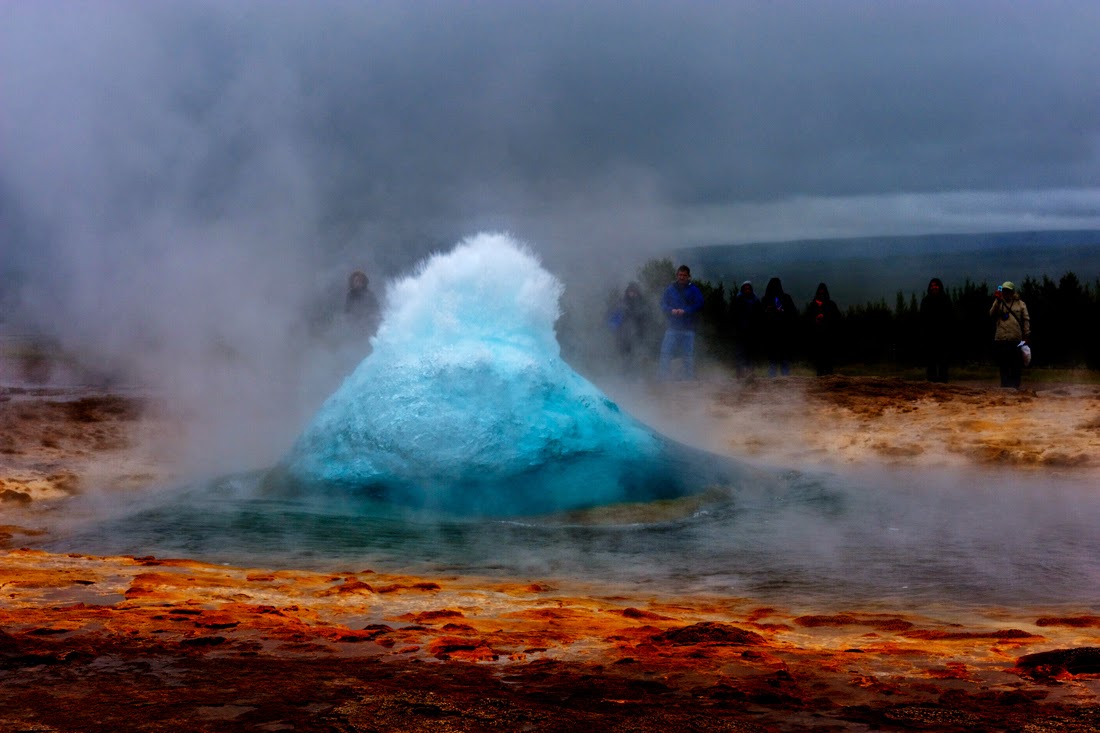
(681, 304)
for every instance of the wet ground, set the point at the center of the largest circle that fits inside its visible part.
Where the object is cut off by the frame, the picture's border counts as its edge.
(95, 644)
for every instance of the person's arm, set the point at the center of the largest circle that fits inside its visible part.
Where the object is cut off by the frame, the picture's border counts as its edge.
(667, 305)
(1025, 321)
(695, 301)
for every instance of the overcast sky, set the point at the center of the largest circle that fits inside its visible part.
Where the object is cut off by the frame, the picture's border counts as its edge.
(176, 176)
(676, 123)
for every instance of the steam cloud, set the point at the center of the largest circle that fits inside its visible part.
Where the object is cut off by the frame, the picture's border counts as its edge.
(184, 186)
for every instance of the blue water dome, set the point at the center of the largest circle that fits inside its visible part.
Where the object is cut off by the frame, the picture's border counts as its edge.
(465, 405)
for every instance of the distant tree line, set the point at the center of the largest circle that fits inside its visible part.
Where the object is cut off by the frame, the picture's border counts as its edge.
(1064, 318)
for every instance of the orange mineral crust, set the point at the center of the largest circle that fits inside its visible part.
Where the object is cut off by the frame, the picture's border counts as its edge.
(125, 643)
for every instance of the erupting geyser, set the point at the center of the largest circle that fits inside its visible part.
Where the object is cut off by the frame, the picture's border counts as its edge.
(465, 405)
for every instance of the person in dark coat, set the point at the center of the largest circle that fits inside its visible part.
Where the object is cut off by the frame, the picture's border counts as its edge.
(361, 307)
(937, 326)
(745, 314)
(633, 325)
(778, 325)
(823, 322)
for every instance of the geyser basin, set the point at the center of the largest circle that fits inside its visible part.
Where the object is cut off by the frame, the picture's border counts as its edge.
(465, 406)
(882, 539)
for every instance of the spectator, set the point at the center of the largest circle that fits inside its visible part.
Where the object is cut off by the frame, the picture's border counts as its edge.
(361, 306)
(745, 313)
(632, 324)
(1011, 330)
(823, 318)
(937, 325)
(681, 304)
(779, 319)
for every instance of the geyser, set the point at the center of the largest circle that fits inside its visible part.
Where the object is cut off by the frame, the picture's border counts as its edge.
(465, 405)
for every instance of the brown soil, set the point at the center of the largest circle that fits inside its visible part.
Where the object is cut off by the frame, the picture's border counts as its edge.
(55, 442)
(869, 420)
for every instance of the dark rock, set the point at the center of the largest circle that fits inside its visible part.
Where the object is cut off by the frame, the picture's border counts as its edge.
(709, 632)
(1079, 660)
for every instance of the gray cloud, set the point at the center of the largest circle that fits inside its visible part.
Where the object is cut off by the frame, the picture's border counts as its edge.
(420, 117)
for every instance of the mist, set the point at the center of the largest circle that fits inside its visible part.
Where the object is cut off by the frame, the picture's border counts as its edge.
(184, 186)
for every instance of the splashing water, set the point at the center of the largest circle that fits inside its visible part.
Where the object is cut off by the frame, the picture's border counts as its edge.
(466, 406)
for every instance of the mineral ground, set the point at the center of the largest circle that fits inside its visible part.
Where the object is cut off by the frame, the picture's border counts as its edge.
(160, 644)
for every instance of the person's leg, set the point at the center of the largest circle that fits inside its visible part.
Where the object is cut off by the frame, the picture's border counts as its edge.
(668, 344)
(1003, 365)
(1015, 367)
(687, 344)
(940, 359)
